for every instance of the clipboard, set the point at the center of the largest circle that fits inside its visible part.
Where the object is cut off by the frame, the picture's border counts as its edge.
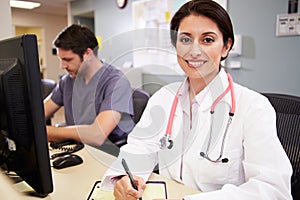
(154, 190)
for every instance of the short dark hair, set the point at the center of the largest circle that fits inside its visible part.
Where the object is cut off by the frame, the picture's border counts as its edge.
(77, 38)
(207, 8)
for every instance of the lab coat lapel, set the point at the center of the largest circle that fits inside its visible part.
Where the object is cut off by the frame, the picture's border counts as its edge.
(220, 116)
(170, 159)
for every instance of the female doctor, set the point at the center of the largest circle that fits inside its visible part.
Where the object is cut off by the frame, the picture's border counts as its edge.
(207, 132)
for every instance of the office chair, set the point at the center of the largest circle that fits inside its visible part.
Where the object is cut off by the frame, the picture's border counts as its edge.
(140, 100)
(47, 85)
(287, 109)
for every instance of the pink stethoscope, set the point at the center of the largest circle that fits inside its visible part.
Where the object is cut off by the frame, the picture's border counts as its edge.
(167, 137)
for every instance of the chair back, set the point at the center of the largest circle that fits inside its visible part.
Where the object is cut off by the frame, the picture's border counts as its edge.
(47, 86)
(287, 109)
(140, 100)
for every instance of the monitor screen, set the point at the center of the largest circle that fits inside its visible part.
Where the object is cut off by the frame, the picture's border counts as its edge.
(23, 138)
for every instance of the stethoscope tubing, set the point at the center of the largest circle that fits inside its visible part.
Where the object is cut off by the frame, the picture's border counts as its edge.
(166, 140)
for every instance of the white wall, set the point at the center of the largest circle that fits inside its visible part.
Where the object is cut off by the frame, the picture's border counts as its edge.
(5, 20)
(269, 63)
(51, 25)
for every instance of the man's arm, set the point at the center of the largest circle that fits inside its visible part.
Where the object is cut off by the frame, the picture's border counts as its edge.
(50, 107)
(93, 134)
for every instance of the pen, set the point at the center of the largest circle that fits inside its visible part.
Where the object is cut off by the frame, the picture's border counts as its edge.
(130, 175)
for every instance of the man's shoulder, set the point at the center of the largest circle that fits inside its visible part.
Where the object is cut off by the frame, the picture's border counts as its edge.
(65, 78)
(66, 81)
(111, 69)
(112, 73)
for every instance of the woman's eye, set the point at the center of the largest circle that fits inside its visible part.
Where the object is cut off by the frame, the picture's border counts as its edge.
(185, 40)
(208, 40)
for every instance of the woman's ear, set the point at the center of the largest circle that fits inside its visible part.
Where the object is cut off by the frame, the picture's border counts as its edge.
(227, 48)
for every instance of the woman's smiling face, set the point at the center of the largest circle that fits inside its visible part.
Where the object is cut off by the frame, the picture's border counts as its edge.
(200, 47)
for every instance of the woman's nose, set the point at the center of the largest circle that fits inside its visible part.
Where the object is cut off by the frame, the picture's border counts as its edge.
(196, 50)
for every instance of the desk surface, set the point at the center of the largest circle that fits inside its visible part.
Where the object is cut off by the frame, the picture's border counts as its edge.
(77, 182)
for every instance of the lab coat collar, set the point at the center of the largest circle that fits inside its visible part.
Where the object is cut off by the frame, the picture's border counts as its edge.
(184, 88)
(206, 97)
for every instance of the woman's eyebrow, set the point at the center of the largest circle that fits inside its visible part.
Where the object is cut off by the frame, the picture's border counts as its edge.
(209, 33)
(205, 33)
(185, 33)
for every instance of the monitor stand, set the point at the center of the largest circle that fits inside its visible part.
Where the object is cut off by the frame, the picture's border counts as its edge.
(20, 185)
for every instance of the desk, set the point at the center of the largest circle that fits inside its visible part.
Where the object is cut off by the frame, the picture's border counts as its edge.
(77, 182)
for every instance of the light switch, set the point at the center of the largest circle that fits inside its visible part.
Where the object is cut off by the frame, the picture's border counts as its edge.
(237, 46)
(288, 24)
(234, 64)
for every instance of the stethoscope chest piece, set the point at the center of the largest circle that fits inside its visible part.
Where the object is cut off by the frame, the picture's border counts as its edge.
(219, 159)
(165, 142)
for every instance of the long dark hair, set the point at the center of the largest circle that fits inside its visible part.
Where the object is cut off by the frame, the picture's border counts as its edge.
(207, 8)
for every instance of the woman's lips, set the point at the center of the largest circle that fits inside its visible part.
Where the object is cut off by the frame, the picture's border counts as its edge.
(195, 64)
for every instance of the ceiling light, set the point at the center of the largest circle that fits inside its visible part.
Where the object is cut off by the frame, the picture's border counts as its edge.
(24, 4)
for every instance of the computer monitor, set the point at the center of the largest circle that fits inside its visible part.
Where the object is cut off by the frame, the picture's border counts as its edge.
(23, 138)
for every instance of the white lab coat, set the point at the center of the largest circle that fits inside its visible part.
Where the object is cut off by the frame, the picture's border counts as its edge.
(258, 167)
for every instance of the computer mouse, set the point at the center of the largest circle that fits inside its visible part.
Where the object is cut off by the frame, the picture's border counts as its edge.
(67, 161)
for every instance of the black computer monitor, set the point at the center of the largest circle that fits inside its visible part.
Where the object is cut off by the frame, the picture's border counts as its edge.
(23, 138)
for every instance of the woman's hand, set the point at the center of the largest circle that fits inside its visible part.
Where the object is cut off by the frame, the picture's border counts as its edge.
(124, 190)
